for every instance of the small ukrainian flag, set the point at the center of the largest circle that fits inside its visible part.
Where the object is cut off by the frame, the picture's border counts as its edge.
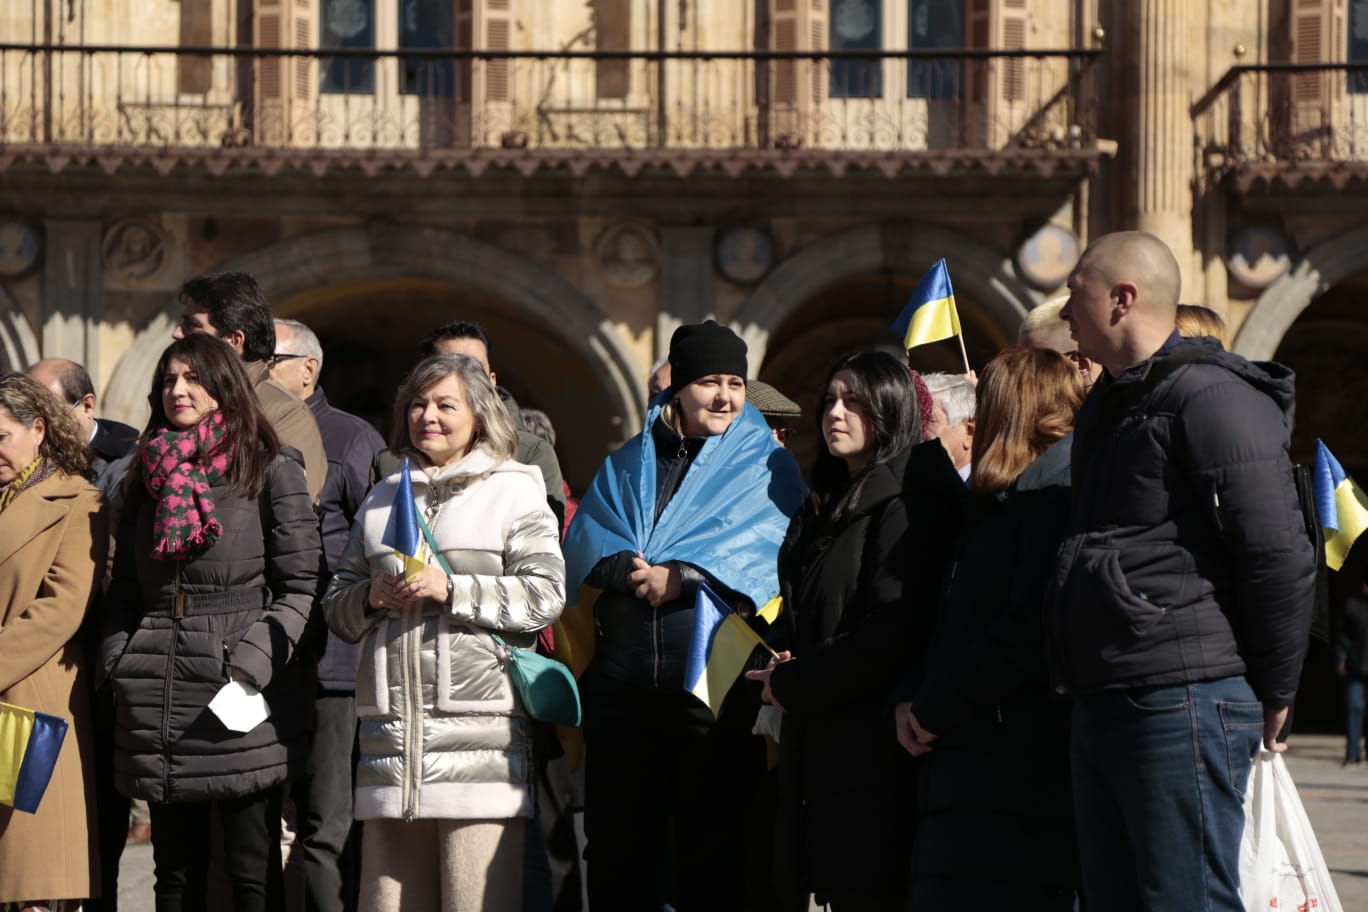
(401, 532)
(722, 642)
(930, 313)
(1342, 506)
(30, 743)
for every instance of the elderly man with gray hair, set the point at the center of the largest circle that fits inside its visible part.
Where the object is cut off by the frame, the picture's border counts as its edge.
(325, 845)
(952, 417)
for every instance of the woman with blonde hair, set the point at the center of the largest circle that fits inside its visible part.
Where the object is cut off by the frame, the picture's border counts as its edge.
(995, 826)
(52, 556)
(1194, 321)
(443, 783)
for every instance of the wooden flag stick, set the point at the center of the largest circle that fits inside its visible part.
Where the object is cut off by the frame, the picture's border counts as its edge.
(964, 352)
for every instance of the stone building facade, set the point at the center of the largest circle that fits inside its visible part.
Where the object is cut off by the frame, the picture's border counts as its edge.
(583, 175)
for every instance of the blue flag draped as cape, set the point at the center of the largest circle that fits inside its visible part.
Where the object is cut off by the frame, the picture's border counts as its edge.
(728, 516)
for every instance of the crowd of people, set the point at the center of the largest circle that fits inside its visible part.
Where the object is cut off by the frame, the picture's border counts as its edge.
(1023, 633)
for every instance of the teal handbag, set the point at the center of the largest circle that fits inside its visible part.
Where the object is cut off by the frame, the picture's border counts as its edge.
(545, 686)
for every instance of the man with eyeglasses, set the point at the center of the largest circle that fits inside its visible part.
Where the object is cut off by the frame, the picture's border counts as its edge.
(109, 441)
(230, 306)
(327, 846)
(1045, 328)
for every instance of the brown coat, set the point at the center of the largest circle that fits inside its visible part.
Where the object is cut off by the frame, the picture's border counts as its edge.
(294, 424)
(52, 554)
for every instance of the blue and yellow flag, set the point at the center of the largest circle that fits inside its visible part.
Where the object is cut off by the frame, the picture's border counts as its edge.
(929, 314)
(1342, 506)
(722, 642)
(401, 532)
(29, 745)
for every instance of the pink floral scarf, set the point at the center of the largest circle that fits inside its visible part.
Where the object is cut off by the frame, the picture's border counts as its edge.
(179, 469)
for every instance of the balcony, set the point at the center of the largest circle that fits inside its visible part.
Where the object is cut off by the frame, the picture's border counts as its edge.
(228, 107)
(1285, 123)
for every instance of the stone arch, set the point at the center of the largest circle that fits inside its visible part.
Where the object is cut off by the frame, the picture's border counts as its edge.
(378, 251)
(1323, 267)
(18, 344)
(982, 272)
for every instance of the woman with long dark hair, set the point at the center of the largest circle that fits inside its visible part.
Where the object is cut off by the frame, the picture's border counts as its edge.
(52, 556)
(859, 568)
(701, 497)
(215, 574)
(995, 828)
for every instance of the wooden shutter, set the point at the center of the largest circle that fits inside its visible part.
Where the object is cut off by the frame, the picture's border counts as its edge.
(1012, 24)
(286, 87)
(1314, 99)
(995, 102)
(798, 89)
(487, 86)
(498, 32)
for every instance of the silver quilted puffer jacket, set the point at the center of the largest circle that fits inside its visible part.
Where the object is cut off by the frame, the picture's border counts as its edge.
(442, 734)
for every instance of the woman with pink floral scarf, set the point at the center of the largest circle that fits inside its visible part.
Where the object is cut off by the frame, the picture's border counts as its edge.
(215, 573)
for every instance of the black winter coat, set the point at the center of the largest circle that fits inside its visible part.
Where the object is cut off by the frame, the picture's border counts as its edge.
(1186, 557)
(351, 444)
(861, 593)
(993, 797)
(246, 603)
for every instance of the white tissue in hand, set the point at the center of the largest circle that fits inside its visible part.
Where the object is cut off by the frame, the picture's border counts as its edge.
(239, 706)
(768, 721)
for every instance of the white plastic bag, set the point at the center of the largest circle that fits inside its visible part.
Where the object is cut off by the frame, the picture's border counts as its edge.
(1281, 865)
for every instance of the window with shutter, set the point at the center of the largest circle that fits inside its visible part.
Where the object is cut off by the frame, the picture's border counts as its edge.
(1013, 38)
(1358, 45)
(497, 30)
(346, 24)
(1314, 98)
(798, 87)
(612, 32)
(934, 24)
(194, 75)
(427, 25)
(855, 25)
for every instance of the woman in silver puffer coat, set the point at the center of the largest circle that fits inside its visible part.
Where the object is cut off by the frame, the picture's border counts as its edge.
(445, 744)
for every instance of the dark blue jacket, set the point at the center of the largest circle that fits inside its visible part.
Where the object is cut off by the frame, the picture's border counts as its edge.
(351, 443)
(1186, 557)
(993, 796)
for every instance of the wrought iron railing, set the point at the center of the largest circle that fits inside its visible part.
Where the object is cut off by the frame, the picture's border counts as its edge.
(1284, 114)
(417, 103)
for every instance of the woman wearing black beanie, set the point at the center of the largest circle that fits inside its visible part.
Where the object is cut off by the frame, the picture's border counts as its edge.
(701, 496)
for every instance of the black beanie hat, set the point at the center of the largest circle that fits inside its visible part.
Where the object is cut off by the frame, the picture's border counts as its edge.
(700, 349)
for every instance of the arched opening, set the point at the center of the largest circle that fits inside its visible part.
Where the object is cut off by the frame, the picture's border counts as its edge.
(375, 291)
(1325, 346)
(986, 285)
(371, 333)
(855, 315)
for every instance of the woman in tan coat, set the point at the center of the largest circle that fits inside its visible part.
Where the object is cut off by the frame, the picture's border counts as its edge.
(52, 554)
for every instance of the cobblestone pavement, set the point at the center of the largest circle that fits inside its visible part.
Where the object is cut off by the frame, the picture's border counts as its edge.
(1336, 800)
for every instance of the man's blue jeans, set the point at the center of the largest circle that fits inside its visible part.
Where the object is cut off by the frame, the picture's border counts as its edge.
(1159, 775)
(1353, 717)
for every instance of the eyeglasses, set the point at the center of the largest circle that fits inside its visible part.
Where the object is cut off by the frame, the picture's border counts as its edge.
(274, 360)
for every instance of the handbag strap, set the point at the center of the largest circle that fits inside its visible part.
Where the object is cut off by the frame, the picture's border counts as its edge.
(441, 560)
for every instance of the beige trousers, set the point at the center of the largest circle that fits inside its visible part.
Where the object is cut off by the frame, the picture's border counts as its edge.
(447, 865)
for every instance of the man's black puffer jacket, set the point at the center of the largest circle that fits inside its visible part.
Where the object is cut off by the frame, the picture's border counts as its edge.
(247, 601)
(1185, 557)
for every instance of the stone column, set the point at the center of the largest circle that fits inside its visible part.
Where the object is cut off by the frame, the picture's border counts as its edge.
(72, 306)
(1156, 57)
(687, 283)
